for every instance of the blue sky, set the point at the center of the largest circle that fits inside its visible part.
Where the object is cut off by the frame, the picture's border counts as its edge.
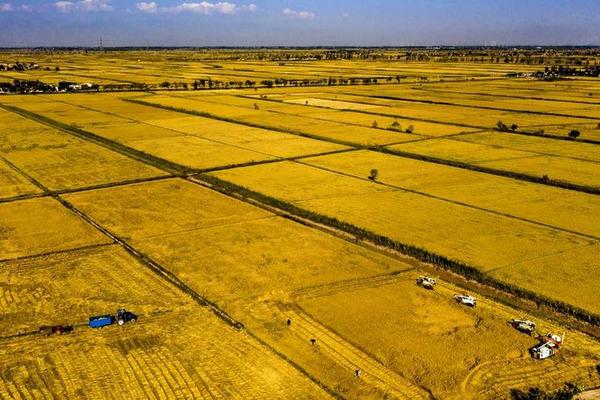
(299, 23)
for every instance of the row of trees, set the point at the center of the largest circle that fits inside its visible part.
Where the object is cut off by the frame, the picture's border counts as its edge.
(502, 127)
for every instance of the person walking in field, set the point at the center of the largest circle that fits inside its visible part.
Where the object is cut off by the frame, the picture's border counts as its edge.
(358, 373)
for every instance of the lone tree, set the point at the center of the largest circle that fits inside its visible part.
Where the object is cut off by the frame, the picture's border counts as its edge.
(375, 125)
(501, 126)
(373, 174)
(514, 127)
(574, 134)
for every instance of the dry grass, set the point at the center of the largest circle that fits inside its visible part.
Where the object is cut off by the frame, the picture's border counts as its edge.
(38, 226)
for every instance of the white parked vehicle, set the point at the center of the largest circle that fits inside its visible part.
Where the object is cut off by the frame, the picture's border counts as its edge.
(426, 282)
(465, 299)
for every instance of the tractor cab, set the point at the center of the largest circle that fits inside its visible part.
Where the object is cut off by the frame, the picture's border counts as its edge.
(124, 316)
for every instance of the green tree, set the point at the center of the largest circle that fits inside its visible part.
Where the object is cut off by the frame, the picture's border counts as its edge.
(373, 175)
(574, 134)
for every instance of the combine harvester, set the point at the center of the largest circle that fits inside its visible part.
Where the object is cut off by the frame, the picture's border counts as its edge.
(523, 325)
(549, 345)
(123, 316)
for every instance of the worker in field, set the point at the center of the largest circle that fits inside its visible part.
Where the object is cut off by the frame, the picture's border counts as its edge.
(289, 322)
(313, 341)
(358, 373)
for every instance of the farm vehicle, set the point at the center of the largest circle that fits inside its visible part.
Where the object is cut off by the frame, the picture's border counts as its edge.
(121, 318)
(523, 325)
(548, 346)
(465, 299)
(426, 282)
(55, 330)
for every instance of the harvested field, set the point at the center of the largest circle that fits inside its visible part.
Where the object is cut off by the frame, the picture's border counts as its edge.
(39, 226)
(13, 184)
(58, 160)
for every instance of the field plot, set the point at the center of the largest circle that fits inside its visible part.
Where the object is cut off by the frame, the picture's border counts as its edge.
(195, 142)
(68, 287)
(415, 330)
(38, 226)
(538, 203)
(60, 161)
(419, 128)
(328, 130)
(577, 171)
(578, 91)
(423, 94)
(176, 350)
(442, 113)
(178, 355)
(14, 184)
(486, 240)
(279, 256)
(536, 145)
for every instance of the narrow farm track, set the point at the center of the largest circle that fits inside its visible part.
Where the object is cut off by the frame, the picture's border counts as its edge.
(351, 358)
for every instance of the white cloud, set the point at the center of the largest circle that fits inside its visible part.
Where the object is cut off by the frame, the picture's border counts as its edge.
(288, 12)
(147, 7)
(5, 7)
(26, 7)
(345, 15)
(204, 8)
(64, 6)
(83, 5)
(250, 7)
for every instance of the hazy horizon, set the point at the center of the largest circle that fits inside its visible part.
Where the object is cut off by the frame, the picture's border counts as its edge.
(270, 23)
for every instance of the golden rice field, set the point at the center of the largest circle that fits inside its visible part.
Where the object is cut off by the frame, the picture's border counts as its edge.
(245, 227)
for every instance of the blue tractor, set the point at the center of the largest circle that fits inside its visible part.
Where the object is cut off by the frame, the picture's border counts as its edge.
(123, 316)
